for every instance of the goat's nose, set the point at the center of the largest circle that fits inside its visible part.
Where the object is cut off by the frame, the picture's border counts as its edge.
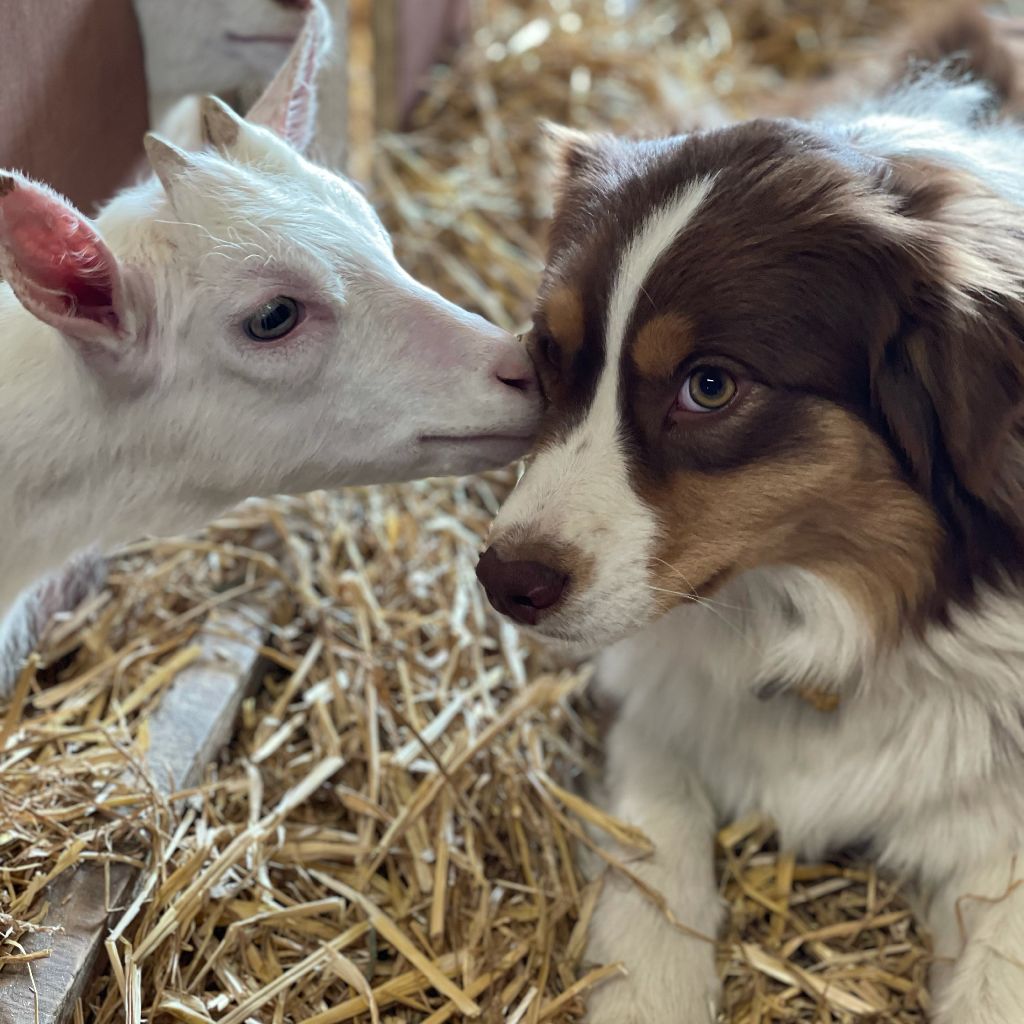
(520, 590)
(514, 367)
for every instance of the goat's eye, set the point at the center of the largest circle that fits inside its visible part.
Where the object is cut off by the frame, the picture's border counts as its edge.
(274, 319)
(707, 389)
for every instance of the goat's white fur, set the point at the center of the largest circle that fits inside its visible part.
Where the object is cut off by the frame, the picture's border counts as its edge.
(924, 759)
(165, 425)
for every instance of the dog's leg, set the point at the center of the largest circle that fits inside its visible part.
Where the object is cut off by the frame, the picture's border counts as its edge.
(977, 923)
(672, 977)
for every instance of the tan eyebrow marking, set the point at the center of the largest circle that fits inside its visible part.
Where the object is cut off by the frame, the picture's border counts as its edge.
(564, 314)
(662, 344)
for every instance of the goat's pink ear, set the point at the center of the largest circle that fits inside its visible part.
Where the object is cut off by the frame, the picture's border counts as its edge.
(58, 265)
(288, 106)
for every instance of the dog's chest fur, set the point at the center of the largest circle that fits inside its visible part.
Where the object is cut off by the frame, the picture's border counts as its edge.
(922, 759)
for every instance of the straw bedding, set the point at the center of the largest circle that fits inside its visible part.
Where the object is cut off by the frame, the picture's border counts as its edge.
(390, 836)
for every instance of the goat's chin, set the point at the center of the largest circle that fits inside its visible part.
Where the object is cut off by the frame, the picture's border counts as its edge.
(460, 455)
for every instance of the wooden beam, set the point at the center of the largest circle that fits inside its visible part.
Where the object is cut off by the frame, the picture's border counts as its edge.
(331, 146)
(386, 58)
(192, 723)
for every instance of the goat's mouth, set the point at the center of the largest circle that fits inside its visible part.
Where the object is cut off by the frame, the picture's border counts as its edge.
(260, 37)
(475, 439)
(472, 453)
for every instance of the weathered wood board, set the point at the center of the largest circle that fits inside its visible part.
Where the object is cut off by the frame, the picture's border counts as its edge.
(192, 723)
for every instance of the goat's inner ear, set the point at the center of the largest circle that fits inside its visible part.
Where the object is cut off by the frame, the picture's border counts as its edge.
(288, 106)
(59, 267)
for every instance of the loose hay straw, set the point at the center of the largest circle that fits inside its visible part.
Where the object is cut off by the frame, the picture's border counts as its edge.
(391, 834)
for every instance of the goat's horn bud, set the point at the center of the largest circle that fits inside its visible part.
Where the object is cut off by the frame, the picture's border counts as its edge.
(168, 162)
(220, 122)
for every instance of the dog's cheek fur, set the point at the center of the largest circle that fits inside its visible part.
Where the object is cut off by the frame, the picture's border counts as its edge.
(834, 504)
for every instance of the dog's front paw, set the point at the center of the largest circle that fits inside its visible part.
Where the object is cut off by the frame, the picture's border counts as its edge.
(641, 1000)
(671, 975)
(984, 988)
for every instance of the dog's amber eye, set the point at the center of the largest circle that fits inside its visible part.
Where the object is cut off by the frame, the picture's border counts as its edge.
(274, 319)
(707, 389)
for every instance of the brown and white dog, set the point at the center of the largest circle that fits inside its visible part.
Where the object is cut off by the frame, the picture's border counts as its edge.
(784, 450)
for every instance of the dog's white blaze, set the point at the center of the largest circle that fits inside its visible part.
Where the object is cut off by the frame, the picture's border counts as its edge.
(579, 492)
(646, 249)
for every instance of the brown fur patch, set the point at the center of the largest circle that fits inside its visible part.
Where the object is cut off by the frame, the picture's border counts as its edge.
(662, 344)
(836, 506)
(563, 312)
(7, 185)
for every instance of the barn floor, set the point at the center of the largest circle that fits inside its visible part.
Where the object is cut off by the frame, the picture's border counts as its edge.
(389, 836)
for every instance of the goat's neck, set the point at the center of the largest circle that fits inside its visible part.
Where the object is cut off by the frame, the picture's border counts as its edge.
(55, 455)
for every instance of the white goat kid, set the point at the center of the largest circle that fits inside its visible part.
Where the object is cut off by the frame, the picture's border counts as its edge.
(237, 326)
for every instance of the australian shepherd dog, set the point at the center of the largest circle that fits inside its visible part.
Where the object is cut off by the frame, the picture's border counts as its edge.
(780, 484)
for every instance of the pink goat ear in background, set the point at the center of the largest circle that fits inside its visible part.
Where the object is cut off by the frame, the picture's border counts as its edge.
(78, 67)
(57, 264)
(288, 106)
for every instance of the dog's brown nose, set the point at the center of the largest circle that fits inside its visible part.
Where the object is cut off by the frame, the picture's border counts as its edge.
(520, 590)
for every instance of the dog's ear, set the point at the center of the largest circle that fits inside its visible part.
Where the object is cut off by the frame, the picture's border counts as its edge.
(571, 152)
(576, 158)
(950, 387)
(963, 41)
(948, 375)
(581, 169)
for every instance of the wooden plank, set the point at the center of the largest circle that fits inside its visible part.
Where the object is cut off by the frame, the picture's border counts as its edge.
(78, 903)
(74, 94)
(386, 46)
(197, 716)
(193, 721)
